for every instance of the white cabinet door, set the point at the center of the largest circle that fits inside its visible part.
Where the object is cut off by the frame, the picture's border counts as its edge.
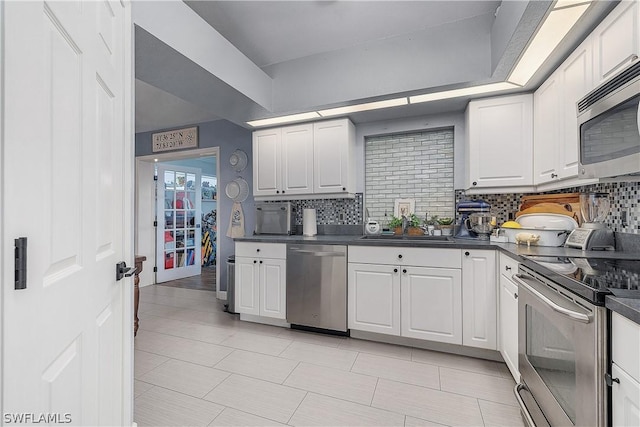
(625, 398)
(576, 74)
(616, 40)
(431, 304)
(273, 288)
(479, 299)
(547, 125)
(247, 288)
(297, 159)
(374, 298)
(333, 143)
(500, 142)
(509, 324)
(267, 174)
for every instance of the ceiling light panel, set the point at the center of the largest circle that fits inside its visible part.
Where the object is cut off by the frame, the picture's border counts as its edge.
(363, 107)
(284, 119)
(467, 91)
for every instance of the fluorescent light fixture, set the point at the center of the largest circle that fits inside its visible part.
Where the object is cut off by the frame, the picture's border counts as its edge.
(284, 119)
(363, 107)
(454, 93)
(555, 27)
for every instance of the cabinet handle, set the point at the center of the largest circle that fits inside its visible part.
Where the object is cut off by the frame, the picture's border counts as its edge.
(404, 270)
(507, 268)
(554, 175)
(467, 253)
(344, 188)
(260, 262)
(258, 250)
(277, 191)
(282, 191)
(474, 183)
(400, 256)
(395, 270)
(254, 261)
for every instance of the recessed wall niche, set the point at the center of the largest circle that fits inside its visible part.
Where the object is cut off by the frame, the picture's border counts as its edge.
(416, 165)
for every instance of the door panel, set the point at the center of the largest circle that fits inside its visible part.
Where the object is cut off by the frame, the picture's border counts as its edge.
(272, 288)
(374, 298)
(67, 160)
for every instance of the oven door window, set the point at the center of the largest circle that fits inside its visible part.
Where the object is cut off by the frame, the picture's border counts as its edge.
(552, 355)
(612, 134)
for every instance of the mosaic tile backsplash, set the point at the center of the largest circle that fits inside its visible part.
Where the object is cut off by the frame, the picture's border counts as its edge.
(331, 211)
(624, 198)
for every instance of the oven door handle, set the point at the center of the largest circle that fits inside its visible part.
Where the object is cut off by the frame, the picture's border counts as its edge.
(580, 317)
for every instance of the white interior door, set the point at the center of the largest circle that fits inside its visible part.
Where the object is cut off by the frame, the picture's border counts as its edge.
(179, 211)
(67, 172)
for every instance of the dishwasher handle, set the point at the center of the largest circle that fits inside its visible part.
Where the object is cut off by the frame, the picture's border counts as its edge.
(317, 253)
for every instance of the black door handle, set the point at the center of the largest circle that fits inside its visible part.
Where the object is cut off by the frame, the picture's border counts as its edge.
(20, 271)
(123, 271)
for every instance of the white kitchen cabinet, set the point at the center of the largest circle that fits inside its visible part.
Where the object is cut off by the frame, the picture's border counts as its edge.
(297, 159)
(479, 299)
(267, 173)
(556, 135)
(311, 159)
(403, 292)
(616, 40)
(260, 279)
(374, 298)
(625, 370)
(499, 142)
(430, 304)
(508, 315)
(334, 168)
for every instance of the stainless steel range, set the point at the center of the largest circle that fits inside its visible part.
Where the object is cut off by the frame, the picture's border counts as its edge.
(563, 343)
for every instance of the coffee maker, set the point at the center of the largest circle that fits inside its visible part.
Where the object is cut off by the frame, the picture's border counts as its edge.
(465, 209)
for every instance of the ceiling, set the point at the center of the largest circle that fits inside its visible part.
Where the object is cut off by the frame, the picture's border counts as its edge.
(320, 54)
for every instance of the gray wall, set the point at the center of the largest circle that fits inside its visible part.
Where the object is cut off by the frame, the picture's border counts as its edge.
(228, 137)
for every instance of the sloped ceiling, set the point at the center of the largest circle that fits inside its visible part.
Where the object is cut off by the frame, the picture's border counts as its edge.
(319, 54)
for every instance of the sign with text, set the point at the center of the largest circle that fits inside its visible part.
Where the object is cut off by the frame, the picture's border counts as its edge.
(175, 139)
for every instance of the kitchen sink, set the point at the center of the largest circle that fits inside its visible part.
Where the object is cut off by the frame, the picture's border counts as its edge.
(433, 239)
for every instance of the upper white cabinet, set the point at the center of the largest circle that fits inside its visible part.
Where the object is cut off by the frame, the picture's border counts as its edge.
(307, 159)
(479, 299)
(616, 40)
(500, 142)
(334, 170)
(555, 117)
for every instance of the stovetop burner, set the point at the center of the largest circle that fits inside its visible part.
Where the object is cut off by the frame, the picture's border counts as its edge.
(591, 278)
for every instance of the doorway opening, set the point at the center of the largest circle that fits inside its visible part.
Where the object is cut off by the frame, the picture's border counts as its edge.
(181, 205)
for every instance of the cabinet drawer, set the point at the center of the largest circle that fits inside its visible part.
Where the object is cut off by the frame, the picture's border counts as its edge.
(393, 255)
(262, 250)
(625, 347)
(508, 265)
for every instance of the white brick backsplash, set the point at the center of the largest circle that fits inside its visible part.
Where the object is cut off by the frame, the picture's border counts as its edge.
(413, 166)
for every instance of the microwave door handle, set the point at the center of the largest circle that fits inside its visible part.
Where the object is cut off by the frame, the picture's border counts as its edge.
(580, 317)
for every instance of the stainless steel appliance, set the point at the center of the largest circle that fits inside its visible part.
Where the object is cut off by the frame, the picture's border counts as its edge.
(609, 126)
(593, 234)
(274, 218)
(317, 286)
(465, 209)
(563, 342)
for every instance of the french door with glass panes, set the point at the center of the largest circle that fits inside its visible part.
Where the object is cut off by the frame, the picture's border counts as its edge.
(178, 249)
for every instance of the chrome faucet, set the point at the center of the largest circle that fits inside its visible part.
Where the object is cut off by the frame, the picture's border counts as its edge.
(405, 224)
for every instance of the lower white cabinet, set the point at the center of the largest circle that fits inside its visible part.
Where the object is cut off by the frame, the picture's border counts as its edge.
(261, 282)
(479, 299)
(387, 295)
(508, 315)
(430, 304)
(625, 371)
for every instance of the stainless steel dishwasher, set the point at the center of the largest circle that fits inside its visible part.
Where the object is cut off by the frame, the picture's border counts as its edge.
(317, 286)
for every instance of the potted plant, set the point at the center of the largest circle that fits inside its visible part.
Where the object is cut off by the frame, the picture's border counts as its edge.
(446, 225)
(395, 224)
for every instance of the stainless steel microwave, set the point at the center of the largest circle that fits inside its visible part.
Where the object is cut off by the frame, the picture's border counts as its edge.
(274, 218)
(609, 126)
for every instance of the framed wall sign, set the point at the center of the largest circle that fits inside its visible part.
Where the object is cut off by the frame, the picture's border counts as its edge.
(175, 139)
(404, 207)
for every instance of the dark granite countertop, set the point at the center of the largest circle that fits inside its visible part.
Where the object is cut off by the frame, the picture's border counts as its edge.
(628, 307)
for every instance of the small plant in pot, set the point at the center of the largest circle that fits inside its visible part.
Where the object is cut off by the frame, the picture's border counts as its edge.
(395, 224)
(414, 226)
(446, 225)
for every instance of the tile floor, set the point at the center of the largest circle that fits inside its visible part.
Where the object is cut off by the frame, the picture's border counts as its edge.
(196, 365)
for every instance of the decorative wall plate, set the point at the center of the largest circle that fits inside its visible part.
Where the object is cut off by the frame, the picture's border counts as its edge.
(238, 160)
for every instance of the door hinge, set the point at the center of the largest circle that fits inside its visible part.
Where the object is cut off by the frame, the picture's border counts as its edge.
(20, 276)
